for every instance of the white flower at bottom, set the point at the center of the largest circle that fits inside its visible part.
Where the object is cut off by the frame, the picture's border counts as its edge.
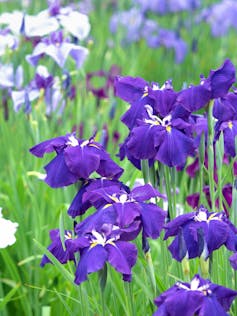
(7, 231)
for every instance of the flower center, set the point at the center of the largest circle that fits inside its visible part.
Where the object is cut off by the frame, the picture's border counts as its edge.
(100, 239)
(72, 141)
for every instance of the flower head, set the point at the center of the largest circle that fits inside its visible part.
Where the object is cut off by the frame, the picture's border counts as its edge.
(200, 233)
(76, 159)
(199, 297)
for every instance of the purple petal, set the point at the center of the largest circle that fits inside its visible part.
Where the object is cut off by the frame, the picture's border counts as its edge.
(58, 174)
(129, 89)
(91, 260)
(49, 146)
(145, 192)
(81, 161)
(153, 218)
(122, 256)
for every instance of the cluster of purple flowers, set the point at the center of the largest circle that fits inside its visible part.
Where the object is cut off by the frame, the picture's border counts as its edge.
(162, 123)
(120, 213)
(163, 126)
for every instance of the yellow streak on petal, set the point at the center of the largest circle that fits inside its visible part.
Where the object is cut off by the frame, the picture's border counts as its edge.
(168, 128)
(94, 145)
(230, 124)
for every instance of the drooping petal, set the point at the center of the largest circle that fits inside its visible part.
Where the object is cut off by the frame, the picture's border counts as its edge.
(153, 218)
(81, 161)
(91, 260)
(122, 256)
(174, 148)
(48, 146)
(58, 174)
(145, 192)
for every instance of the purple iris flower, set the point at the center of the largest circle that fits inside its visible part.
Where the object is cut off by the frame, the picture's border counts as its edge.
(59, 49)
(95, 248)
(200, 233)
(216, 85)
(63, 255)
(199, 297)
(81, 203)
(76, 159)
(159, 127)
(103, 247)
(225, 111)
(124, 208)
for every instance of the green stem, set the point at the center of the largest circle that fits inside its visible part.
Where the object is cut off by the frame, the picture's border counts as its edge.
(201, 167)
(102, 281)
(211, 156)
(128, 288)
(168, 189)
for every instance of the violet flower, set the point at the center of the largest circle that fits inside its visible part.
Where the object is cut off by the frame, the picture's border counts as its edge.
(216, 85)
(159, 126)
(81, 203)
(199, 297)
(76, 159)
(126, 209)
(59, 49)
(62, 254)
(200, 233)
(225, 111)
(103, 247)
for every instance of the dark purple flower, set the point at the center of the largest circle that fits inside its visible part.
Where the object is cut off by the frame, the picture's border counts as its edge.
(225, 111)
(76, 159)
(81, 202)
(216, 85)
(62, 254)
(105, 247)
(166, 139)
(199, 297)
(200, 233)
(122, 208)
